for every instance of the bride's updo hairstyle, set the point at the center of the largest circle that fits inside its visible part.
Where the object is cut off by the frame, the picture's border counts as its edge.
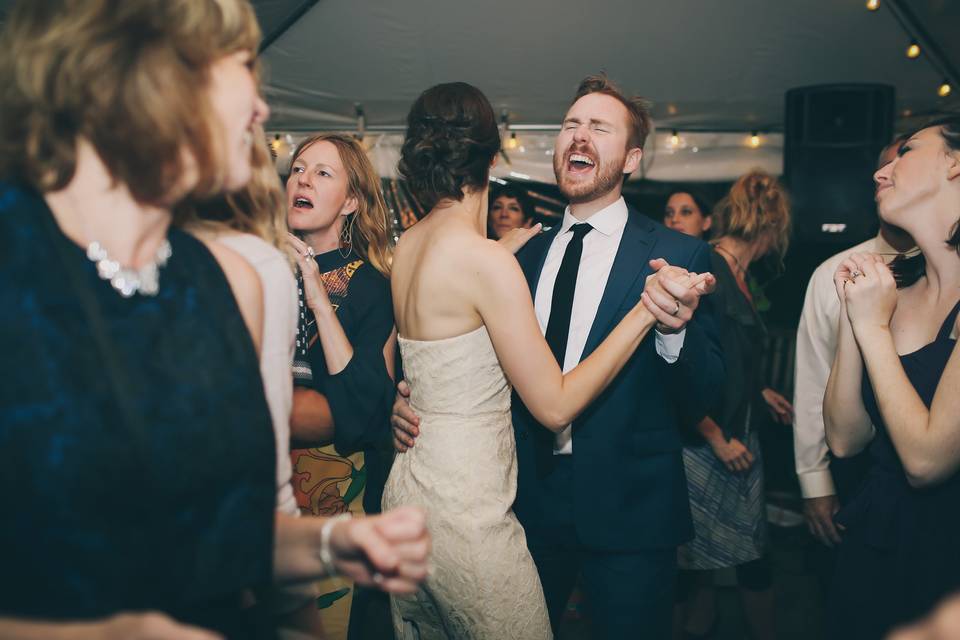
(452, 138)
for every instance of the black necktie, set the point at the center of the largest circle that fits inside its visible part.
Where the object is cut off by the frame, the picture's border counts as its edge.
(558, 327)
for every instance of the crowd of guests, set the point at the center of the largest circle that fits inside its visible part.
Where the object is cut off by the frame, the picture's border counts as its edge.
(204, 366)
(150, 329)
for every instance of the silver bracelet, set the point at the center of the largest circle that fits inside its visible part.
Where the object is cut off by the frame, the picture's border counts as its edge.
(326, 557)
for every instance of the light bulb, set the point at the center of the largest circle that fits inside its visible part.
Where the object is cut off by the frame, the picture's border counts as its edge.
(674, 139)
(512, 142)
(873, 5)
(913, 51)
(944, 89)
(754, 139)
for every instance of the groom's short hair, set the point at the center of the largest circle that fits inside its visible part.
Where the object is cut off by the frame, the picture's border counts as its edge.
(638, 109)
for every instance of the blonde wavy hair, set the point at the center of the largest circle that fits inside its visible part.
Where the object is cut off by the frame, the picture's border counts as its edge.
(756, 208)
(371, 241)
(126, 76)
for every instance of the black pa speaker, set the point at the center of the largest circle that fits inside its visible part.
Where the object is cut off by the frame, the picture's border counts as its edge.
(833, 136)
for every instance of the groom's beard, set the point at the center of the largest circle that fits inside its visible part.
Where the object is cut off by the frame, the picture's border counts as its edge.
(606, 177)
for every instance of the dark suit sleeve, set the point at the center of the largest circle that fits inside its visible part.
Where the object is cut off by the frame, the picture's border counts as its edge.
(697, 375)
(361, 395)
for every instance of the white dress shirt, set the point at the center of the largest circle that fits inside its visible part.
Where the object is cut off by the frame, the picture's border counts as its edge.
(816, 346)
(599, 250)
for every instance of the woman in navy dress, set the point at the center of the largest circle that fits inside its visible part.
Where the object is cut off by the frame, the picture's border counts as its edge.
(138, 471)
(894, 390)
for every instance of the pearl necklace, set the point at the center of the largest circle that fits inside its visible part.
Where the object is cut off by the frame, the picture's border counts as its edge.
(128, 281)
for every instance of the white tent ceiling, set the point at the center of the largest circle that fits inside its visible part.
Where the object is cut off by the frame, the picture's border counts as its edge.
(705, 65)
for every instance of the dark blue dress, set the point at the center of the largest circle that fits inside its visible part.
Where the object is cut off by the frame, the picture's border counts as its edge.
(145, 484)
(901, 551)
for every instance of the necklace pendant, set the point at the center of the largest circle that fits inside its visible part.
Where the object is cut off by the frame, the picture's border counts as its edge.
(127, 281)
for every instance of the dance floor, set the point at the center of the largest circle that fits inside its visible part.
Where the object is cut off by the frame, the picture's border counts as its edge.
(798, 593)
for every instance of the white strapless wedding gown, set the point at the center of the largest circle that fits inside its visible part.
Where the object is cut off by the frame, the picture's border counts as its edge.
(463, 471)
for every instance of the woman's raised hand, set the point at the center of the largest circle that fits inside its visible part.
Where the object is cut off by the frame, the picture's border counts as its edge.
(313, 289)
(870, 291)
(515, 239)
(842, 276)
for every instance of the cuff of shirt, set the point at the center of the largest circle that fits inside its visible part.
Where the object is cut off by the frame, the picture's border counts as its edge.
(669, 345)
(816, 484)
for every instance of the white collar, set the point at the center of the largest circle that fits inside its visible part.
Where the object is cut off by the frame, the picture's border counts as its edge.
(607, 221)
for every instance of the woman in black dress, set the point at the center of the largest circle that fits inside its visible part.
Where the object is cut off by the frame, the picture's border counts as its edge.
(893, 390)
(138, 466)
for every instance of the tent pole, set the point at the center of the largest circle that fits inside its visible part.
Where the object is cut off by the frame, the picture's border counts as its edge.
(290, 20)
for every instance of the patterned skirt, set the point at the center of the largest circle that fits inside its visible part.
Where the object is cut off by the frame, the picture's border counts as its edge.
(727, 508)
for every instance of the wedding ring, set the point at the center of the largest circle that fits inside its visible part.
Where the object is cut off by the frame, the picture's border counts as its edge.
(310, 252)
(677, 310)
(853, 276)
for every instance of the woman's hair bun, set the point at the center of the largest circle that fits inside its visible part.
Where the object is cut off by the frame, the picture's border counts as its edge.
(759, 185)
(452, 137)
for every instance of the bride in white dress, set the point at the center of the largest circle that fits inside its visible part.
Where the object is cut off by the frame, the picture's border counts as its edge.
(466, 324)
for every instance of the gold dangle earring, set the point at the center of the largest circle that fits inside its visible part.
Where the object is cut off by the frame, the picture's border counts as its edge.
(346, 235)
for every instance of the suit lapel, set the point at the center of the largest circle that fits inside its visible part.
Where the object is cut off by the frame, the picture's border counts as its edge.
(630, 264)
(534, 255)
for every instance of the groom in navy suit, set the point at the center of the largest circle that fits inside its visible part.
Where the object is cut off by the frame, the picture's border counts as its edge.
(606, 499)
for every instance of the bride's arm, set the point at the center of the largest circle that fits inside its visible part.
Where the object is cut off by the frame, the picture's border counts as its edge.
(503, 300)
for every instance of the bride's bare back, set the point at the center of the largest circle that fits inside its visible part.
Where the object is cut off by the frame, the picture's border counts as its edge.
(434, 277)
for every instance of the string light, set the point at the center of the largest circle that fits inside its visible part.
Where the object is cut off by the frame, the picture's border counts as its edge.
(913, 50)
(674, 139)
(512, 142)
(754, 139)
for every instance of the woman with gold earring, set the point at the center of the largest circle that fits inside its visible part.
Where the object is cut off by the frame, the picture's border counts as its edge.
(343, 369)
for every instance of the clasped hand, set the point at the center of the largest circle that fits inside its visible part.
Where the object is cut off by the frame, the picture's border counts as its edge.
(390, 550)
(867, 290)
(672, 294)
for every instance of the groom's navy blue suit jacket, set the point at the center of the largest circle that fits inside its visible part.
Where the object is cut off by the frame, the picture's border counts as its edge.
(629, 491)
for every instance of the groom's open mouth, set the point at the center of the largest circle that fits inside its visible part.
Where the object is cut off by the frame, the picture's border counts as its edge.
(579, 163)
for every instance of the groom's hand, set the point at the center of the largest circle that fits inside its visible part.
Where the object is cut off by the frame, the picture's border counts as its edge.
(405, 423)
(672, 294)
